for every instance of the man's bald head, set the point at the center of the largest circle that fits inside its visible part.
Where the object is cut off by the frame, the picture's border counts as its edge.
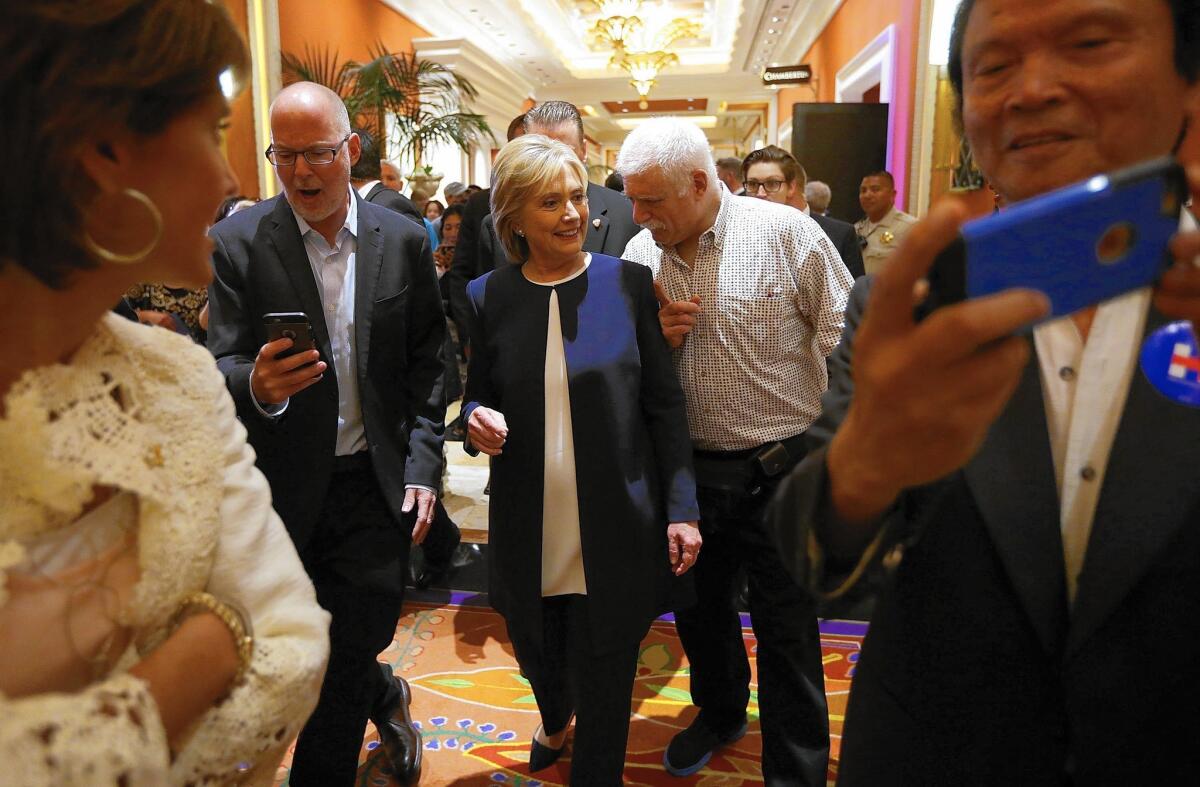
(309, 98)
(311, 121)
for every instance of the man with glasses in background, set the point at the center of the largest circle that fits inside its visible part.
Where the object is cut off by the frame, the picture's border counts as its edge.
(774, 174)
(348, 434)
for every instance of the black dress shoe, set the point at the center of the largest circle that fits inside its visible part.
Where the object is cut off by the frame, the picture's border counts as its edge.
(434, 569)
(399, 739)
(422, 576)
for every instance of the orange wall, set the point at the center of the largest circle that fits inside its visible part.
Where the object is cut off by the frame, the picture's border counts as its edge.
(856, 24)
(239, 139)
(350, 32)
(348, 27)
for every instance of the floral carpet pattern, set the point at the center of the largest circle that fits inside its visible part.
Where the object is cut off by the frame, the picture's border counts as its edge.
(477, 713)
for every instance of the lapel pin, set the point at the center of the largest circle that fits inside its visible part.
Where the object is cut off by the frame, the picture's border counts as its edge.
(1170, 359)
(596, 223)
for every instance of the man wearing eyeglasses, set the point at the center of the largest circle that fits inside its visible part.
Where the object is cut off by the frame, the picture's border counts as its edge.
(773, 174)
(349, 434)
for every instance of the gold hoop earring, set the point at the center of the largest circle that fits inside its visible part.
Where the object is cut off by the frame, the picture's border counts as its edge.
(118, 258)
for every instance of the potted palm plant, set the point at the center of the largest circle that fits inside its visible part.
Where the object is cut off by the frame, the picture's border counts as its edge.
(427, 101)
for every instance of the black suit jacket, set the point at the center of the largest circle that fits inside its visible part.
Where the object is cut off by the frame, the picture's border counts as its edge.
(465, 265)
(610, 228)
(975, 669)
(620, 375)
(390, 198)
(846, 240)
(261, 267)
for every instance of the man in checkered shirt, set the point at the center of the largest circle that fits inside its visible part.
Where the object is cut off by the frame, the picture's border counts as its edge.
(752, 298)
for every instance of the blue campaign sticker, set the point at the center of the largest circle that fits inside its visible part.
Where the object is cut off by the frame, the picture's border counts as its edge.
(1171, 362)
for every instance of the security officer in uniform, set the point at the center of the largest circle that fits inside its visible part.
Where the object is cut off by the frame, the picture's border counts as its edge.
(881, 231)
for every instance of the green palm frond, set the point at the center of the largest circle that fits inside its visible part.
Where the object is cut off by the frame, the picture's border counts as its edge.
(428, 100)
(320, 66)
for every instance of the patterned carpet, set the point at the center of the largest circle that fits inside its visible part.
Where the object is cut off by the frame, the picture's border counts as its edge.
(477, 713)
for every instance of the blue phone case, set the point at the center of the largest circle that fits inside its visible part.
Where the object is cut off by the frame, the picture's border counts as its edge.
(1079, 245)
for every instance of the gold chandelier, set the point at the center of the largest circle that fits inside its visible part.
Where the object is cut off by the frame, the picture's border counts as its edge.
(640, 34)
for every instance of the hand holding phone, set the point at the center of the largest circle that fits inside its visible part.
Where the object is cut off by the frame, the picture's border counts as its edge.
(288, 363)
(925, 393)
(1079, 245)
(289, 325)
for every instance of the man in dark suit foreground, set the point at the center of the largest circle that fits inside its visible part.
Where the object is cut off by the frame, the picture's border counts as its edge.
(1036, 496)
(349, 434)
(365, 177)
(773, 174)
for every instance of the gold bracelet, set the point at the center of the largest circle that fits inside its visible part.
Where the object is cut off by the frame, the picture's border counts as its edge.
(237, 623)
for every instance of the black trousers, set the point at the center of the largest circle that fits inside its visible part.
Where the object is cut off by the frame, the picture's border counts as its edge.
(442, 539)
(793, 712)
(356, 561)
(568, 676)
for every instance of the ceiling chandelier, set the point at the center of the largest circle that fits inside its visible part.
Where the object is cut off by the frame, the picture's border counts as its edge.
(641, 34)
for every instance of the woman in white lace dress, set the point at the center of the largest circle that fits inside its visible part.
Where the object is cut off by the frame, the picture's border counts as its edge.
(156, 626)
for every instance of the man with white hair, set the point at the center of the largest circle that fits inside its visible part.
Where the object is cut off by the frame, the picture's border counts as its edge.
(456, 193)
(729, 172)
(389, 175)
(752, 298)
(819, 195)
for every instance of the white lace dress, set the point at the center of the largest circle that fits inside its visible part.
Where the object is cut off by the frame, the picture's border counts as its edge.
(145, 413)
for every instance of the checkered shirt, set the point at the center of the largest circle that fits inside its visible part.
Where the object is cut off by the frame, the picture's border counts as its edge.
(773, 289)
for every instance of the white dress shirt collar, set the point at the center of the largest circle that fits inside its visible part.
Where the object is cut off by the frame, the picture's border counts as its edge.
(1084, 388)
(365, 188)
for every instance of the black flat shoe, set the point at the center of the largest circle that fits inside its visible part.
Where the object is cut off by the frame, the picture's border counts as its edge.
(542, 756)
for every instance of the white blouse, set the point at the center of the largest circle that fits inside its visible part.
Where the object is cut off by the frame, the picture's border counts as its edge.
(562, 549)
(146, 413)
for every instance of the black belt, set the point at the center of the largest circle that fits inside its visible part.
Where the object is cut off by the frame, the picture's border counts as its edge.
(352, 463)
(747, 468)
(794, 446)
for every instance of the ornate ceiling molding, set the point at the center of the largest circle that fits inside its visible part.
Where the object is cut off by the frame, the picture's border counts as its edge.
(804, 30)
(541, 37)
(502, 91)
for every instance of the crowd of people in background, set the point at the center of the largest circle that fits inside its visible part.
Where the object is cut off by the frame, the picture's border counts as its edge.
(696, 388)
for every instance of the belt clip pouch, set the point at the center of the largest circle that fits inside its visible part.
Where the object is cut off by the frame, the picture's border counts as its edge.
(771, 460)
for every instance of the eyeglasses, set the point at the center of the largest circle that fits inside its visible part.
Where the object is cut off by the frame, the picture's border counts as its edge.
(771, 186)
(287, 158)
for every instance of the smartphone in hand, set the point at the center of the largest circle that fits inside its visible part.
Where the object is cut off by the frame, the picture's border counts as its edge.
(1079, 245)
(290, 325)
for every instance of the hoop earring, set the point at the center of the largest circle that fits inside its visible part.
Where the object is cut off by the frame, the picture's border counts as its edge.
(117, 258)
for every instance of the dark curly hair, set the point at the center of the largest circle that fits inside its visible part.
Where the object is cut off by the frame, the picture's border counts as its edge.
(73, 66)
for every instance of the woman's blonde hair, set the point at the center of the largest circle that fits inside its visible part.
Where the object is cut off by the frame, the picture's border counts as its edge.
(526, 167)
